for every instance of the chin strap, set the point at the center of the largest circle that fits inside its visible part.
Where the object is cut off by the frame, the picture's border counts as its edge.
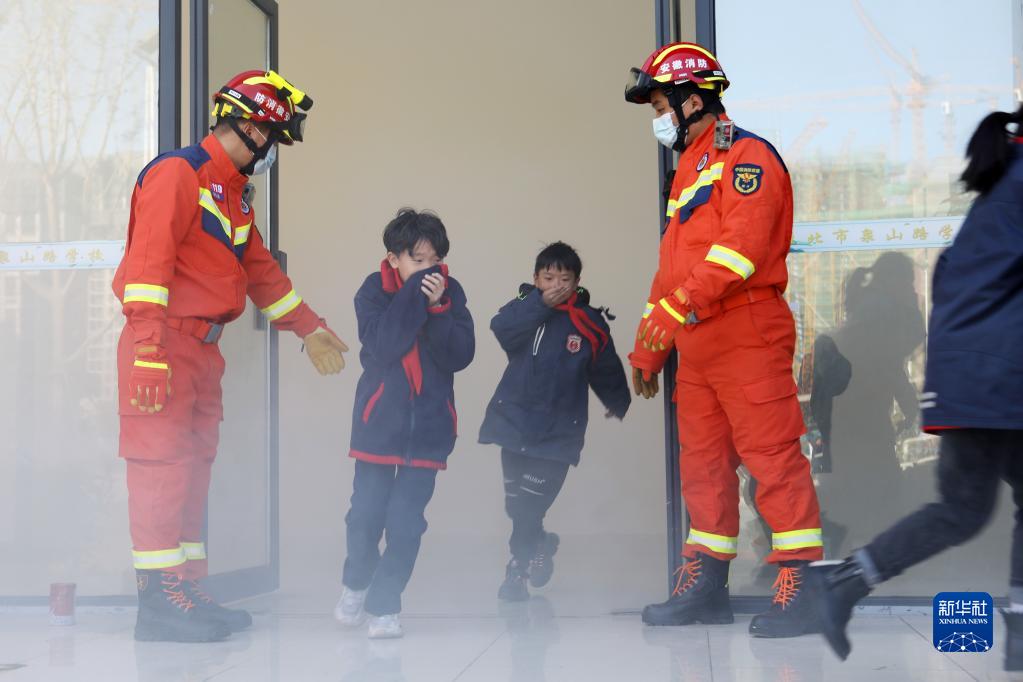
(675, 100)
(257, 151)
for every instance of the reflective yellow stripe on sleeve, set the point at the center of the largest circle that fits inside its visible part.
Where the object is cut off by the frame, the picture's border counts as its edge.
(282, 307)
(194, 551)
(733, 260)
(146, 293)
(649, 309)
(797, 539)
(718, 543)
(151, 365)
(162, 558)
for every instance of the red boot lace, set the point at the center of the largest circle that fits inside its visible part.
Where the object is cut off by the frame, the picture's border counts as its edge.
(172, 588)
(786, 586)
(199, 594)
(687, 574)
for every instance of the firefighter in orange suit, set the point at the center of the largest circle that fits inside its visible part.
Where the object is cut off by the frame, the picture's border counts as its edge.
(717, 298)
(193, 254)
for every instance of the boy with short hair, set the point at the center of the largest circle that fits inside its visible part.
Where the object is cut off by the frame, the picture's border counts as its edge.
(557, 347)
(416, 333)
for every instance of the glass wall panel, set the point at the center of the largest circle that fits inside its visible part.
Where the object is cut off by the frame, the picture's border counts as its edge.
(871, 105)
(77, 123)
(239, 493)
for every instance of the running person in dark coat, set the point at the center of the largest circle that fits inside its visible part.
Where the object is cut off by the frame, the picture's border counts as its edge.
(416, 332)
(558, 347)
(973, 393)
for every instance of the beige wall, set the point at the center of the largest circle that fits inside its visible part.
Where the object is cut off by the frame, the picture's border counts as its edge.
(508, 120)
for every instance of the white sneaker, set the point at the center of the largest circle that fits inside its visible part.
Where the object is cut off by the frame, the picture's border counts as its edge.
(385, 627)
(349, 610)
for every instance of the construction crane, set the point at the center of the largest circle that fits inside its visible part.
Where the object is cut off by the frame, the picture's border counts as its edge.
(916, 93)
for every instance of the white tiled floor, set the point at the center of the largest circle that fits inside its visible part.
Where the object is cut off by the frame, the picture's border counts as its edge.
(522, 643)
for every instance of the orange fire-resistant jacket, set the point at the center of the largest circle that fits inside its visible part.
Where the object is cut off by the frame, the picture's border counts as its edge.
(193, 249)
(729, 230)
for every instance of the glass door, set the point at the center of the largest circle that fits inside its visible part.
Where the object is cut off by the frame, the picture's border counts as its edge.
(228, 37)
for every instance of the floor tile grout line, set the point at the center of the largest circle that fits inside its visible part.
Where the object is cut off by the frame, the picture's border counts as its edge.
(950, 659)
(220, 672)
(710, 657)
(480, 655)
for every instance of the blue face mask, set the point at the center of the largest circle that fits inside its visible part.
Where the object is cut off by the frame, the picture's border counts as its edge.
(263, 165)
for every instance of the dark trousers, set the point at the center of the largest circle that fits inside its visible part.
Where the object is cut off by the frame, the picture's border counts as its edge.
(971, 464)
(531, 485)
(391, 499)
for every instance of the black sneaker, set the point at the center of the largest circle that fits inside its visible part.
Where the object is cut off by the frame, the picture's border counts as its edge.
(514, 586)
(235, 619)
(1013, 640)
(792, 611)
(541, 567)
(168, 614)
(700, 596)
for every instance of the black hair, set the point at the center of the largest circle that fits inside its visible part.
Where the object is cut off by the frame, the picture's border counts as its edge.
(410, 227)
(990, 151)
(559, 256)
(711, 98)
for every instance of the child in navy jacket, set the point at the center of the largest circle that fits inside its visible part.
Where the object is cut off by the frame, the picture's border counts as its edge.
(416, 333)
(558, 346)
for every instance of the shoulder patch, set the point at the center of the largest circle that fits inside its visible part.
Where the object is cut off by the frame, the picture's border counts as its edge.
(746, 178)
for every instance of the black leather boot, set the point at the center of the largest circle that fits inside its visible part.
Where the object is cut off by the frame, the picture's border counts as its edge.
(541, 567)
(834, 588)
(514, 586)
(168, 614)
(792, 613)
(235, 619)
(700, 596)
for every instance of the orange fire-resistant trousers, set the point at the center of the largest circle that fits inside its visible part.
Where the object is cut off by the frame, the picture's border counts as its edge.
(170, 455)
(737, 404)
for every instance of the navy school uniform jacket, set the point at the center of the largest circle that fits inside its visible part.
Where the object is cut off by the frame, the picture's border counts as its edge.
(540, 408)
(404, 404)
(975, 349)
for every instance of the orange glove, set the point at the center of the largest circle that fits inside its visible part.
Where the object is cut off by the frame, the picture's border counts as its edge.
(662, 319)
(149, 381)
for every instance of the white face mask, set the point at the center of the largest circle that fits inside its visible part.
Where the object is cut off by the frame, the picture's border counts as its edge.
(665, 130)
(263, 165)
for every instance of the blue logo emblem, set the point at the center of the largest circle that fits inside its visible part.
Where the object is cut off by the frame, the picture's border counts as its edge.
(963, 622)
(747, 177)
(245, 207)
(217, 190)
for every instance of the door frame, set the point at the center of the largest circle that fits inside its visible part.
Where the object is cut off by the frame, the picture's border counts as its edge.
(254, 580)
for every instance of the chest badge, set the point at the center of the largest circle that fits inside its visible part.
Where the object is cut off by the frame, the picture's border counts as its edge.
(217, 190)
(574, 343)
(747, 177)
(248, 192)
(703, 162)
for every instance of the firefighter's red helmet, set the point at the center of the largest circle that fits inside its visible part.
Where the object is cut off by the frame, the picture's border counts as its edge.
(265, 97)
(673, 65)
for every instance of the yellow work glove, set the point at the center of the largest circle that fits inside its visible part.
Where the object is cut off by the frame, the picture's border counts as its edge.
(324, 349)
(644, 383)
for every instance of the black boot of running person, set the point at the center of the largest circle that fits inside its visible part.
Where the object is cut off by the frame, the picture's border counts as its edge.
(792, 611)
(168, 614)
(700, 596)
(834, 588)
(235, 619)
(541, 567)
(514, 586)
(1013, 640)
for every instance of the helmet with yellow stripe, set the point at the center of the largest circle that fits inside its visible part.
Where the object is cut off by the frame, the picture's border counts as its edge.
(264, 97)
(673, 67)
